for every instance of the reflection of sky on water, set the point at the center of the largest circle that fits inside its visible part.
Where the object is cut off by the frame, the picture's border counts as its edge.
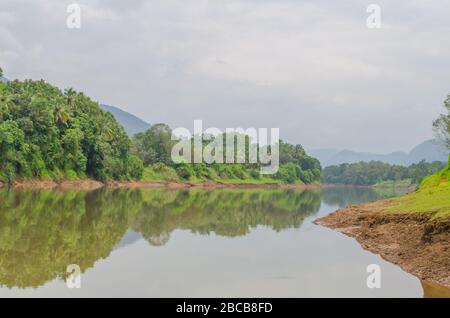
(280, 254)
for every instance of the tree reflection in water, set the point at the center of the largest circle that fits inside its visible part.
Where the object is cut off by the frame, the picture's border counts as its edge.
(41, 232)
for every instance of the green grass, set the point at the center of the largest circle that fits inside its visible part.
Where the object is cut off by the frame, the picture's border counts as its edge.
(439, 179)
(158, 172)
(432, 196)
(393, 184)
(164, 173)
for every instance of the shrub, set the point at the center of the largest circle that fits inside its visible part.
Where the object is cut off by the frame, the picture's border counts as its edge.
(185, 171)
(135, 167)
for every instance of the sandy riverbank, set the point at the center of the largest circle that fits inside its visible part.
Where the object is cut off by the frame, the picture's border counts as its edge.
(88, 185)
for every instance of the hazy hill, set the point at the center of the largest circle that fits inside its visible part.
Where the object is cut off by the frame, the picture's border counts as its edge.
(3, 79)
(430, 150)
(131, 123)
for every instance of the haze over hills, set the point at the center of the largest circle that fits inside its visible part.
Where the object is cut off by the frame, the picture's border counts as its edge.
(3, 79)
(430, 150)
(130, 122)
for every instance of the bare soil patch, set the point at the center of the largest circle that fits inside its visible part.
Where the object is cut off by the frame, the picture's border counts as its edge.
(85, 185)
(88, 184)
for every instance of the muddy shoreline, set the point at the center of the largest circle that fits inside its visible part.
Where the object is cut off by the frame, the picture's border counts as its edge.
(89, 185)
(417, 242)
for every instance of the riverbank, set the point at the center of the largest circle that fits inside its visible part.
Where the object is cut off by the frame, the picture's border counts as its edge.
(411, 231)
(89, 184)
(378, 186)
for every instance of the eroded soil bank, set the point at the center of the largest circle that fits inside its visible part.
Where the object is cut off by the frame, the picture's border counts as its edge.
(418, 242)
(85, 185)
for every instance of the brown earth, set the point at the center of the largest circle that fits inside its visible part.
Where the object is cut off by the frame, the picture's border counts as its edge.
(88, 184)
(206, 185)
(417, 242)
(50, 184)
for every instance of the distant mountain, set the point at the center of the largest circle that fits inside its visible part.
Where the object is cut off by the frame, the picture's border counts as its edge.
(131, 123)
(430, 150)
(3, 79)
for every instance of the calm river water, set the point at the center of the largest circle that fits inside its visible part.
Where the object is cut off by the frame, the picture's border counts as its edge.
(187, 243)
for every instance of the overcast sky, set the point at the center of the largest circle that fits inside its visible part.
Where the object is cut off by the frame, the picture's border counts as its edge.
(311, 68)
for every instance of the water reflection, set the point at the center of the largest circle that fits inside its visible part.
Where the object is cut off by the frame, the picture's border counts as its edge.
(41, 232)
(341, 196)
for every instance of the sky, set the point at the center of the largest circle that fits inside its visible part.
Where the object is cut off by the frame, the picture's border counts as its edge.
(311, 68)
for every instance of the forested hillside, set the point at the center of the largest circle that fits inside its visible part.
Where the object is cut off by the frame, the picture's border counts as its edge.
(45, 132)
(53, 134)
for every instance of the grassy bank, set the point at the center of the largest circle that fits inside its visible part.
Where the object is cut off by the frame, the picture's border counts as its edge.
(432, 196)
(394, 184)
(223, 174)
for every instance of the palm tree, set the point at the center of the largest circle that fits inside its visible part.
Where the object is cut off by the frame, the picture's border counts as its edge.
(105, 128)
(60, 115)
(70, 96)
(6, 105)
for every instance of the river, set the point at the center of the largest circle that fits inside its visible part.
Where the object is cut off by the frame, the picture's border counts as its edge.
(187, 243)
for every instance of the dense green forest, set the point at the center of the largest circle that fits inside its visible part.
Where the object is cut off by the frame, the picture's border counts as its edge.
(154, 148)
(49, 133)
(45, 132)
(371, 173)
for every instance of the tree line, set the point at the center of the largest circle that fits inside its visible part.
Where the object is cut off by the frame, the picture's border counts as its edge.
(154, 148)
(370, 173)
(49, 133)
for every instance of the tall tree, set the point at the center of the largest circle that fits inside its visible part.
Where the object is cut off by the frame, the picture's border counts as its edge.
(154, 145)
(441, 125)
